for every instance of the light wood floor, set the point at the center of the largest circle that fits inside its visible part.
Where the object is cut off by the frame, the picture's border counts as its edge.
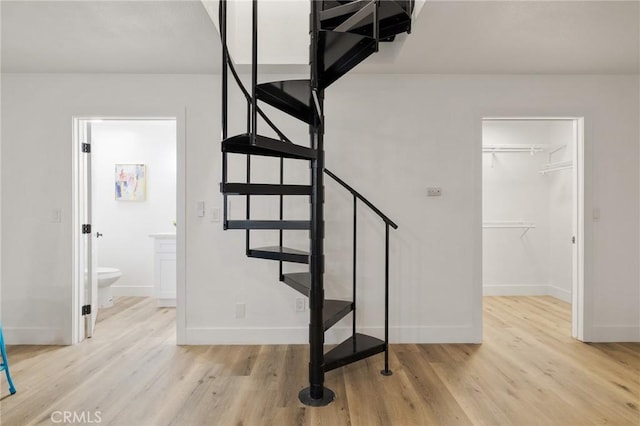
(528, 372)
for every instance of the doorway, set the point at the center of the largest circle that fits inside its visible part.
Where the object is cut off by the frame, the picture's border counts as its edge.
(533, 211)
(125, 201)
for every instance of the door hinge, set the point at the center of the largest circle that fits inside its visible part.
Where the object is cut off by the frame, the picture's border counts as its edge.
(573, 240)
(86, 147)
(86, 310)
(86, 229)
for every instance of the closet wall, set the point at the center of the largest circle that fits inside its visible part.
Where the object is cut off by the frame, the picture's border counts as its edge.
(527, 215)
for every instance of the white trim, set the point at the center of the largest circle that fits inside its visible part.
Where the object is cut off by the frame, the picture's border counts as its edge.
(527, 290)
(126, 113)
(132, 290)
(560, 293)
(516, 290)
(477, 315)
(300, 335)
(582, 297)
(35, 336)
(615, 333)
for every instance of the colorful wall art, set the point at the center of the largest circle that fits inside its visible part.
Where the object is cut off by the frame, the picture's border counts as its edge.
(131, 182)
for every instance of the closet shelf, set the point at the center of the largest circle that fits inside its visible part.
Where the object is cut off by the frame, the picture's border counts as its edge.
(510, 225)
(531, 149)
(554, 167)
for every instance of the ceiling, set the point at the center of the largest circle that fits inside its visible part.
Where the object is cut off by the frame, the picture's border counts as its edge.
(108, 37)
(459, 37)
(516, 37)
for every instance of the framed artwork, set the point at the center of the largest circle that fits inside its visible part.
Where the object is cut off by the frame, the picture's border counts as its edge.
(131, 182)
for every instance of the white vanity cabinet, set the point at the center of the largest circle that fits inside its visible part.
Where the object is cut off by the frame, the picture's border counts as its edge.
(164, 268)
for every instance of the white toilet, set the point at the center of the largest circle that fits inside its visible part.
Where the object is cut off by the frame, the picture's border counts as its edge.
(106, 277)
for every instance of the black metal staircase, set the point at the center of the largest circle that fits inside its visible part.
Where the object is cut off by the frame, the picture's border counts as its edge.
(343, 34)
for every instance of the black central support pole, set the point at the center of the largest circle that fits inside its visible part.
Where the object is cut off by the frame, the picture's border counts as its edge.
(316, 394)
(225, 94)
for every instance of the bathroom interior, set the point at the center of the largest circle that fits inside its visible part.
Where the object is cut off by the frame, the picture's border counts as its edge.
(133, 210)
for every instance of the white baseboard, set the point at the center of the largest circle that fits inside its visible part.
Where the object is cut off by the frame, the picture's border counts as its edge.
(132, 290)
(560, 293)
(515, 290)
(35, 336)
(300, 335)
(615, 333)
(527, 290)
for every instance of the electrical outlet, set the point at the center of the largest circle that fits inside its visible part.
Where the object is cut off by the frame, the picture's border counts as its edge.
(434, 192)
(241, 310)
(299, 304)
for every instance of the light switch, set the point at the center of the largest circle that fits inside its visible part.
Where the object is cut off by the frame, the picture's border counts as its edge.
(200, 208)
(596, 214)
(215, 214)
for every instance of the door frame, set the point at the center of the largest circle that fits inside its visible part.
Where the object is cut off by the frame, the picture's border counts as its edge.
(579, 305)
(77, 330)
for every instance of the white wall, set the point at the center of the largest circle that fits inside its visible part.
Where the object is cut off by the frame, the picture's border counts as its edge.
(389, 136)
(513, 190)
(126, 225)
(539, 261)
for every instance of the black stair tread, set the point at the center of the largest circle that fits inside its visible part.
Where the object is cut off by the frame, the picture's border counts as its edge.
(342, 52)
(290, 96)
(280, 253)
(268, 224)
(351, 350)
(278, 249)
(334, 311)
(264, 189)
(299, 281)
(394, 17)
(265, 146)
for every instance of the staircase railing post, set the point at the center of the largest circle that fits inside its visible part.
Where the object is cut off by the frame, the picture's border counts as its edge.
(386, 371)
(316, 394)
(254, 72)
(248, 177)
(281, 273)
(355, 254)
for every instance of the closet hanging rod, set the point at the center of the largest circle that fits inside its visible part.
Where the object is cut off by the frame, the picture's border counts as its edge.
(510, 224)
(554, 167)
(532, 149)
(520, 225)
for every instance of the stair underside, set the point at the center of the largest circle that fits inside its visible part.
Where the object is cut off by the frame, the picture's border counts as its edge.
(351, 350)
(342, 52)
(264, 189)
(280, 253)
(290, 96)
(265, 146)
(393, 18)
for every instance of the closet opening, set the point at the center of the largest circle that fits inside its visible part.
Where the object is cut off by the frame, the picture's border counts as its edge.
(532, 214)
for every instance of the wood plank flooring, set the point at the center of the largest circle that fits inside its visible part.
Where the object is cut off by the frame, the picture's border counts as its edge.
(529, 371)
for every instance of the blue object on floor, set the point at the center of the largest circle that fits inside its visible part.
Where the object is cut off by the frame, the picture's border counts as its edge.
(5, 363)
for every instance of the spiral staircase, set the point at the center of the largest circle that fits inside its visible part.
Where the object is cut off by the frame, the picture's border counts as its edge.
(343, 34)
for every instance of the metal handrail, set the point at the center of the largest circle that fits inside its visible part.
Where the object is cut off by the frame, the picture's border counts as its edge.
(245, 92)
(377, 211)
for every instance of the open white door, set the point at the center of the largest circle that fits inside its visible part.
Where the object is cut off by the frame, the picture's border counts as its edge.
(88, 259)
(577, 329)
